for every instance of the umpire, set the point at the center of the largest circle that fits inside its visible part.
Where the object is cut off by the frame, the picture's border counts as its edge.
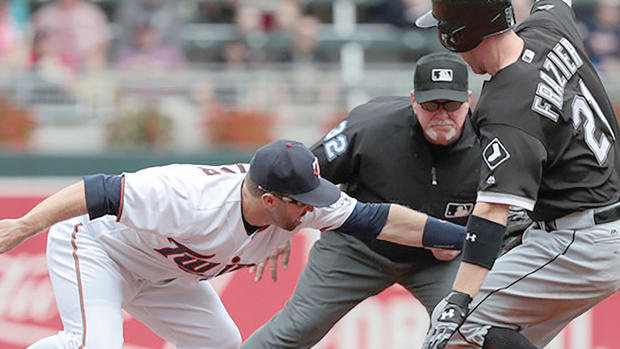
(418, 151)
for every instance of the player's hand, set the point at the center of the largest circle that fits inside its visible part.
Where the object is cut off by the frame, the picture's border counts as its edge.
(444, 255)
(283, 250)
(10, 234)
(447, 317)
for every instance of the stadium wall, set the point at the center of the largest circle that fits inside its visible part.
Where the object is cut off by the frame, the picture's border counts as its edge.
(392, 319)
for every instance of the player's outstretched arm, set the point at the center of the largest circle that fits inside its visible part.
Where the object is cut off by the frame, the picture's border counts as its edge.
(396, 223)
(403, 226)
(68, 202)
(408, 227)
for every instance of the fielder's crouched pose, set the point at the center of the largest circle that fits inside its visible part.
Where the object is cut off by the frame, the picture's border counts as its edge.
(151, 237)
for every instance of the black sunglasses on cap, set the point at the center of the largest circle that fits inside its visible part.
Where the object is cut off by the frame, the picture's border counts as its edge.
(448, 106)
(283, 197)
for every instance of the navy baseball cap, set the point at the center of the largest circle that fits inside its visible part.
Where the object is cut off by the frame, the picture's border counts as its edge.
(288, 167)
(441, 75)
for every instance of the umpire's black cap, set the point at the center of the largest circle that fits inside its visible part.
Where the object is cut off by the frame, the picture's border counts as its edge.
(288, 167)
(440, 75)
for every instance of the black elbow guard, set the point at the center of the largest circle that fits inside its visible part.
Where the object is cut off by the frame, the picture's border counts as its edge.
(482, 241)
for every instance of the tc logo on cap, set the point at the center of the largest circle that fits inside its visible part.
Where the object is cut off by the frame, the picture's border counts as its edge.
(441, 75)
(316, 168)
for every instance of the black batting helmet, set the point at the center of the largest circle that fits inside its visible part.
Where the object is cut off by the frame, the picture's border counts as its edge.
(463, 24)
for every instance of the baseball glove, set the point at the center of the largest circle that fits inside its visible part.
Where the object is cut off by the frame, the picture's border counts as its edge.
(518, 221)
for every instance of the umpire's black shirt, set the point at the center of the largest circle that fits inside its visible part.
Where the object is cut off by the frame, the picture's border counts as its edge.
(379, 154)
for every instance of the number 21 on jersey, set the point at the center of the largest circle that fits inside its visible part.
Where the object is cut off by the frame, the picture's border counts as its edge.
(586, 106)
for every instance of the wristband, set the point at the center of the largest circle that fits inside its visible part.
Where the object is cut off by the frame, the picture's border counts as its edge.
(461, 299)
(441, 234)
(483, 241)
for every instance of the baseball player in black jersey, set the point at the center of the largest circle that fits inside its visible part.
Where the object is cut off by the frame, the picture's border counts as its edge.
(419, 151)
(548, 135)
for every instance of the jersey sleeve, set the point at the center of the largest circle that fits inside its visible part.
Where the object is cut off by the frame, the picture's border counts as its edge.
(366, 221)
(160, 199)
(338, 152)
(333, 216)
(555, 16)
(512, 166)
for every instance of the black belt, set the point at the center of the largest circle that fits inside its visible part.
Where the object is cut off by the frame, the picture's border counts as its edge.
(607, 215)
(582, 219)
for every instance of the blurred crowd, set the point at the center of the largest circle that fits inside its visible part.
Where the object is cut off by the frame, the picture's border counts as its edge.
(65, 36)
(75, 46)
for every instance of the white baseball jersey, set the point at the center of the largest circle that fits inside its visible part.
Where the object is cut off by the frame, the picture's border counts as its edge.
(185, 220)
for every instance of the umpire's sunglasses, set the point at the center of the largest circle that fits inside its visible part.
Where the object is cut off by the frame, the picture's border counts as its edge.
(448, 106)
(283, 197)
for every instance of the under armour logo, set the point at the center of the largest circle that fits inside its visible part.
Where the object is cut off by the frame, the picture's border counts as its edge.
(447, 314)
(471, 237)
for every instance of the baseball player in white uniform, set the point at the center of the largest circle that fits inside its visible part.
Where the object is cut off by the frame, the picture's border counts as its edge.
(144, 241)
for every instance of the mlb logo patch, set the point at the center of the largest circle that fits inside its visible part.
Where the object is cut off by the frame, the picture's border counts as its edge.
(456, 209)
(442, 75)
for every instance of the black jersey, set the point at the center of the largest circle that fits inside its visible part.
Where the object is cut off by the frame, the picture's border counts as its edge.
(379, 154)
(546, 125)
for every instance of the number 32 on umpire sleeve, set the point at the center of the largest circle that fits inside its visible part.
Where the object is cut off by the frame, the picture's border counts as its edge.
(335, 147)
(335, 143)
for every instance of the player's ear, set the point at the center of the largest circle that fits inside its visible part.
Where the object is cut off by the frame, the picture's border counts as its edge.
(269, 200)
(469, 97)
(412, 96)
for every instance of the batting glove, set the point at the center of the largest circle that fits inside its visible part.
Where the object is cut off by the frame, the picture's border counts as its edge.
(447, 317)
